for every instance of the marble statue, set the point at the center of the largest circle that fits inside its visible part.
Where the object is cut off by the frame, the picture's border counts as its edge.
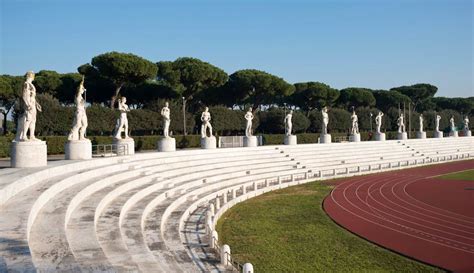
(421, 119)
(248, 117)
(355, 123)
(438, 118)
(79, 125)
(325, 116)
(451, 121)
(466, 123)
(401, 124)
(165, 113)
(206, 123)
(288, 123)
(122, 121)
(29, 106)
(378, 121)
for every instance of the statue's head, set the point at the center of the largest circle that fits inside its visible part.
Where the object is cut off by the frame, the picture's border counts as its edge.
(167, 104)
(291, 111)
(124, 100)
(30, 75)
(81, 88)
(325, 109)
(250, 109)
(206, 109)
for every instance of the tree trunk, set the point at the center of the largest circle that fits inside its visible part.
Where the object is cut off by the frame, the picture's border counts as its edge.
(114, 97)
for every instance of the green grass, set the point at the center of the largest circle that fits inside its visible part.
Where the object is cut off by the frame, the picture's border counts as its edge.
(464, 175)
(288, 231)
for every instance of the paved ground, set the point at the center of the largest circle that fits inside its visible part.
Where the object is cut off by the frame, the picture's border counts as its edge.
(412, 212)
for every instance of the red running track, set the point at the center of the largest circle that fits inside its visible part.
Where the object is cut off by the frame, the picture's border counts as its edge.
(411, 212)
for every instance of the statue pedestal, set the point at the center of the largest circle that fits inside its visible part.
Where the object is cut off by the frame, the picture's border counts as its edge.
(166, 144)
(421, 135)
(354, 138)
(27, 154)
(125, 146)
(453, 134)
(325, 138)
(250, 141)
(467, 133)
(78, 149)
(438, 134)
(290, 140)
(402, 136)
(380, 136)
(208, 142)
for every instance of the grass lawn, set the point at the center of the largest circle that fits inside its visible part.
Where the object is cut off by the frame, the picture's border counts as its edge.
(464, 175)
(288, 231)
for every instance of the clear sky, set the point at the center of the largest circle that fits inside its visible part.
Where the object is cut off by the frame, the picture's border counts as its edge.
(376, 44)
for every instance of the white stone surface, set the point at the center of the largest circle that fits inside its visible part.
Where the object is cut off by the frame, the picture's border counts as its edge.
(380, 136)
(247, 268)
(438, 134)
(438, 118)
(206, 124)
(128, 142)
(378, 124)
(421, 135)
(467, 133)
(225, 255)
(79, 125)
(325, 138)
(248, 128)
(78, 149)
(250, 141)
(453, 134)
(355, 138)
(26, 154)
(402, 136)
(355, 124)
(122, 122)
(29, 107)
(288, 123)
(208, 142)
(291, 140)
(401, 125)
(166, 144)
(165, 113)
(325, 121)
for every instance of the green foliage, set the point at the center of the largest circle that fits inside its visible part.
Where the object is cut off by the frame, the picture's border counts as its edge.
(176, 113)
(226, 121)
(272, 121)
(66, 91)
(262, 231)
(357, 97)
(466, 176)
(10, 89)
(418, 93)
(257, 88)
(312, 95)
(339, 120)
(463, 105)
(47, 82)
(54, 119)
(387, 99)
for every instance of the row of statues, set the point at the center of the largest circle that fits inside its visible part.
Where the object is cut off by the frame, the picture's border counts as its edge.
(30, 106)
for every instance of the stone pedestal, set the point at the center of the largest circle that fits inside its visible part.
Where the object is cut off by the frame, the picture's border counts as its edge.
(438, 134)
(291, 140)
(402, 136)
(326, 138)
(78, 149)
(421, 135)
(453, 134)
(27, 154)
(125, 146)
(380, 136)
(208, 142)
(250, 141)
(166, 144)
(467, 133)
(354, 138)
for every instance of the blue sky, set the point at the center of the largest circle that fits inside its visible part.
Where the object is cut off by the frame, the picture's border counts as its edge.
(375, 44)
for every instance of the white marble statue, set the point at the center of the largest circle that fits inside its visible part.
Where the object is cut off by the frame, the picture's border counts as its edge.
(325, 116)
(79, 125)
(451, 121)
(401, 123)
(438, 118)
(421, 120)
(288, 123)
(378, 122)
(248, 117)
(29, 106)
(165, 113)
(466, 123)
(355, 123)
(206, 123)
(122, 121)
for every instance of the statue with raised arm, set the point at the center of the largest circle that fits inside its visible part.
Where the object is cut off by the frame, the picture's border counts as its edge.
(451, 122)
(79, 125)
(466, 123)
(401, 123)
(29, 106)
(421, 120)
(165, 113)
(355, 123)
(122, 121)
(438, 118)
(206, 123)
(378, 122)
(325, 117)
(248, 117)
(288, 123)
